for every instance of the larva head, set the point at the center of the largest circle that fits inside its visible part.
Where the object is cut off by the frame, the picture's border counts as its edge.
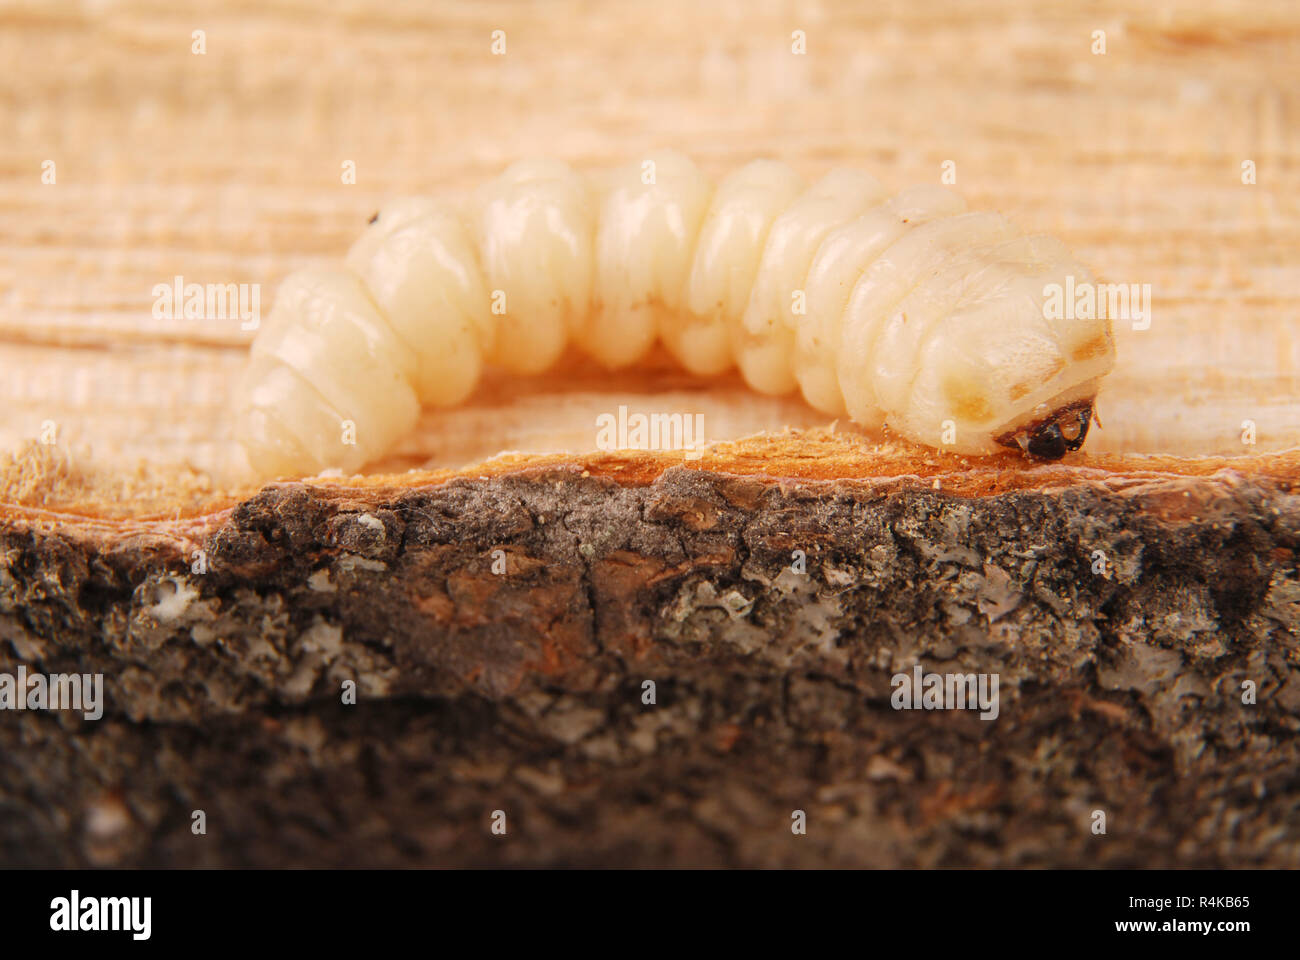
(1057, 423)
(1060, 432)
(1008, 373)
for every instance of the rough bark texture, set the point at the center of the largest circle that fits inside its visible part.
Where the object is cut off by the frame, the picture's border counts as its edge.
(522, 691)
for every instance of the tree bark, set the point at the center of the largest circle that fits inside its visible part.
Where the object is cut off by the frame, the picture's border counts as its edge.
(1123, 618)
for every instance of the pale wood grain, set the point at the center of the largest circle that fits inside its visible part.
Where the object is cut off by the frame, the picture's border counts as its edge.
(226, 168)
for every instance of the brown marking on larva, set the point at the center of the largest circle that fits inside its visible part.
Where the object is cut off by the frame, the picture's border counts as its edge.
(1095, 347)
(966, 404)
(1021, 390)
(374, 217)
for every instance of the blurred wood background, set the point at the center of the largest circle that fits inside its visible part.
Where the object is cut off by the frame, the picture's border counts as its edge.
(225, 167)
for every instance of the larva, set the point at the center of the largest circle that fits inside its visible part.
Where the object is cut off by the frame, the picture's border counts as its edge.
(902, 310)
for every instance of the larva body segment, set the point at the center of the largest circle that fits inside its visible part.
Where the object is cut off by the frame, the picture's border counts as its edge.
(645, 241)
(326, 368)
(871, 325)
(764, 341)
(839, 262)
(536, 228)
(419, 265)
(727, 255)
(903, 311)
(924, 308)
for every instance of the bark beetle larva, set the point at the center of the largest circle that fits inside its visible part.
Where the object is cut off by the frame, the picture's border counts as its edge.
(916, 313)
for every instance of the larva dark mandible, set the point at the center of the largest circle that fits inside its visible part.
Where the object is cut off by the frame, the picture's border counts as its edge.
(903, 310)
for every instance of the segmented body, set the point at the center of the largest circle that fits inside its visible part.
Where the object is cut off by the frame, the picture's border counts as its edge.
(903, 310)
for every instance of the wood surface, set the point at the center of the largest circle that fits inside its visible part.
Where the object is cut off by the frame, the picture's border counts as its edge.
(226, 168)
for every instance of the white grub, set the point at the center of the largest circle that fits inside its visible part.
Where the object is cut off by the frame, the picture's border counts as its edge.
(903, 310)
